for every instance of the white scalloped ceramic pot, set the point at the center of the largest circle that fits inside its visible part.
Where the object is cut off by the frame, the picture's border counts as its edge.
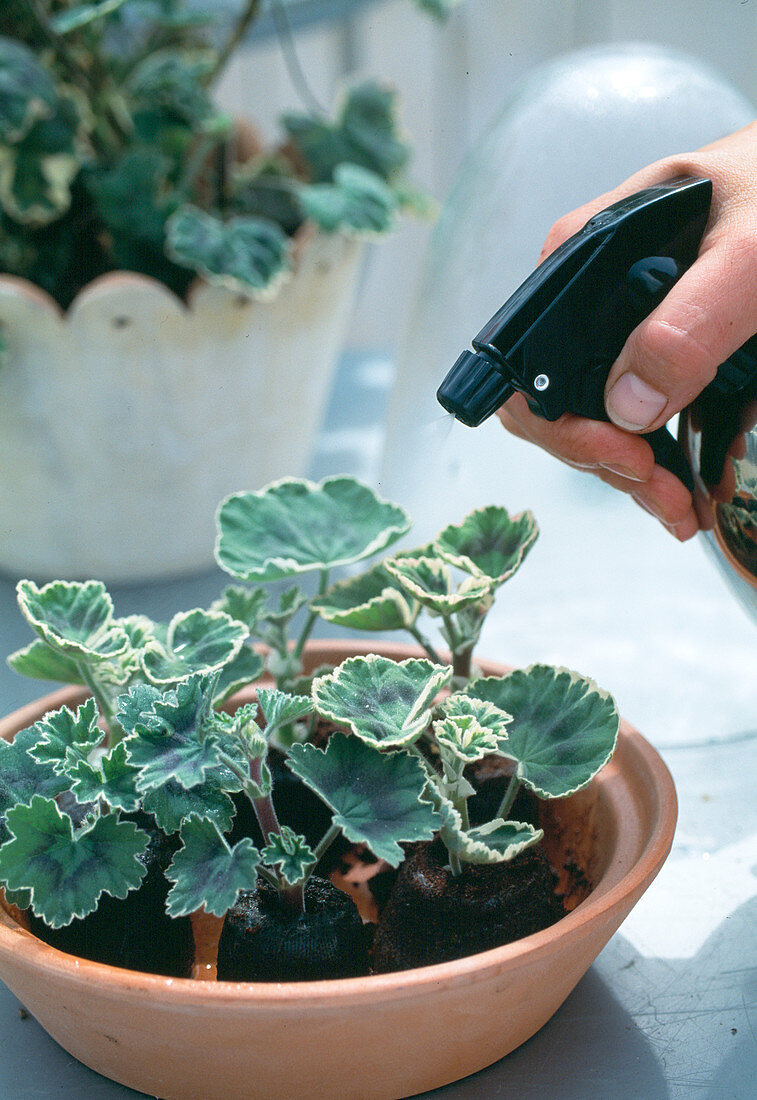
(125, 420)
(186, 1039)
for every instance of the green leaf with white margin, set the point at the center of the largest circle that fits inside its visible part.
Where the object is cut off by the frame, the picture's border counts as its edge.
(67, 871)
(369, 601)
(471, 728)
(75, 618)
(489, 542)
(290, 602)
(27, 91)
(40, 662)
(385, 703)
(241, 670)
(196, 641)
(294, 526)
(170, 804)
(376, 797)
(207, 872)
(172, 738)
(564, 727)
(289, 852)
(429, 581)
(281, 709)
(358, 203)
(247, 255)
(65, 738)
(496, 841)
(111, 778)
(243, 604)
(22, 777)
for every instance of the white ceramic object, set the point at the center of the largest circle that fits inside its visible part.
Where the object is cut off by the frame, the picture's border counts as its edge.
(126, 420)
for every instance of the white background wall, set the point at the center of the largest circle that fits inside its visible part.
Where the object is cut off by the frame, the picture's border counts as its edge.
(455, 78)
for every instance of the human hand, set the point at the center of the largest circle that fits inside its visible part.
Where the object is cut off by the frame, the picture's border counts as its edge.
(675, 352)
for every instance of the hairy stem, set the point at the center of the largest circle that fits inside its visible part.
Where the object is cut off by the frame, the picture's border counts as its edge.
(325, 842)
(312, 616)
(104, 703)
(425, 644)
(509, 797)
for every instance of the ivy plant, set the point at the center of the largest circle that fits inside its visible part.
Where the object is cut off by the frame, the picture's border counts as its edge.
(114, 154)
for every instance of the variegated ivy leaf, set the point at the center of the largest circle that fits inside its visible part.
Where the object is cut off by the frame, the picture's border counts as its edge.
(429, 581)
(172, 735)
(369, 601)
(243, 604)
(385, 703)
(489, 543)
(289, 852)
(207, 872)
(170, 804)
(21, 776)
(65, 738)
(358, 203)
(240, 671)
(281, 709)
(564, 727)
(294, 526)
(27, 92)
(68, 870)
(195, 642)
(496, 841)
(246, 255)
(75, 618)
(111, 778)
(376, 797)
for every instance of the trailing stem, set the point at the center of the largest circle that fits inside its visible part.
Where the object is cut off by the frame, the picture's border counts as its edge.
(511, 793)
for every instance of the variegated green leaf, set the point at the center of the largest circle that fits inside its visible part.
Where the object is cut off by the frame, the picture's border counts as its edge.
(240, 671)
(429, 581)
(385, 703)
(67, 871)
(280, 708)
(369, 601)
(358, 203)
(243, 604)
(27, 92)
(290, 853)
(65, 738)
(290, 602)
(196, 642)
(489, 542)
(170, 804)
(294, 526)
(111, 778)
(564, 727)
(496, 841)
(173, 738)
(21, 776)
(40, 662)
(376, 797)
(464, 737)
(75, 618)
(207, 872)
(246, 255)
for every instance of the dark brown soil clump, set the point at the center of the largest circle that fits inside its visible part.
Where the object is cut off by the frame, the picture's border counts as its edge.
(433, 916)
(265, 940)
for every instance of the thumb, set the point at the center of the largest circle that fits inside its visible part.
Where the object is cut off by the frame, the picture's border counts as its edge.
(675, 352)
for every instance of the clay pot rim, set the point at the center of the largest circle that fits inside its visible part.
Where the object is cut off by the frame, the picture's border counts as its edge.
(522, 953)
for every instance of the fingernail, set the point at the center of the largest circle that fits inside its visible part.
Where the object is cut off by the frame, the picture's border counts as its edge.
(621, 471)
(648, 508)
(633, 404)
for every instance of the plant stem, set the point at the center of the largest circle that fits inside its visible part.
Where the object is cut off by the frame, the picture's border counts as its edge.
(509, 797)
(455, 864)
(325, 842)
(425, 644)
(238, 31)
(107, 710)
(312, 616)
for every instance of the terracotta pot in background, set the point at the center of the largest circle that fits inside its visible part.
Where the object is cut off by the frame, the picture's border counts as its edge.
(125, 420)
(414, 1030)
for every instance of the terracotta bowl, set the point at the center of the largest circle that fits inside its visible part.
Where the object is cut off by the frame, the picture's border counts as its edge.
(184, 1039)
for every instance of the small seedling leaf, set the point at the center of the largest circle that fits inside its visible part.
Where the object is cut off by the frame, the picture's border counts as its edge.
(370, 601)
(294, 526)
(564, 727)
(289, 852)
(206, 872)
(243, 604)
(495, 842)
(376, 797)
(385, 703)
(67, 871)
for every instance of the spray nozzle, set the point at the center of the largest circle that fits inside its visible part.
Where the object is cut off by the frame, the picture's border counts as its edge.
(474, 389)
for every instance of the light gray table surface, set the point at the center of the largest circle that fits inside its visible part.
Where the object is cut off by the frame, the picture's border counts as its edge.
(669, 1009)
